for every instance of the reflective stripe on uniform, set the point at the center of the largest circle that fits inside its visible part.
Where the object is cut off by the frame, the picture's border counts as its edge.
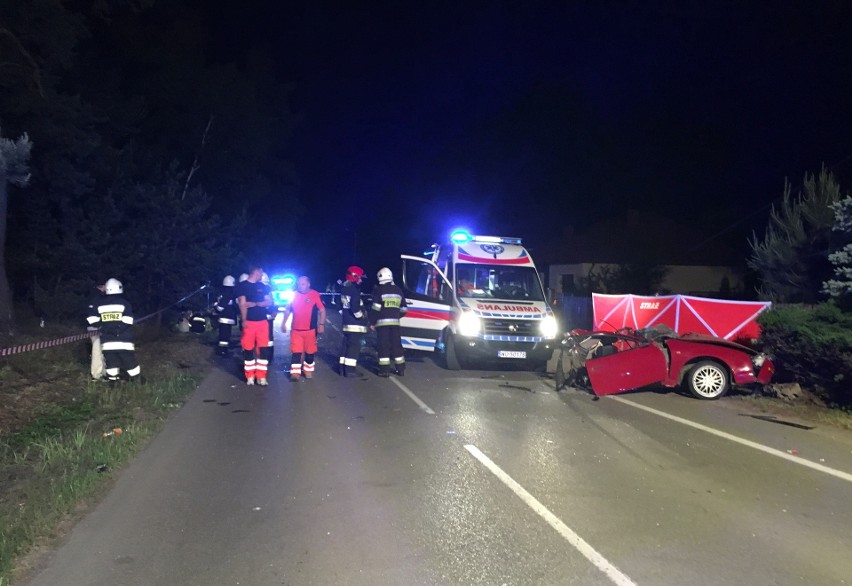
(117, 346)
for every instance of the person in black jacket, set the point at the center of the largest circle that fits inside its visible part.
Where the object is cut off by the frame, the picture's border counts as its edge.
(388, 307)
(226, 315)
(114, 316)
(354, 320)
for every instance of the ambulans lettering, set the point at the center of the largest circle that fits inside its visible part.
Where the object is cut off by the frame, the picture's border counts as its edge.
(508, 308)
(649, 305)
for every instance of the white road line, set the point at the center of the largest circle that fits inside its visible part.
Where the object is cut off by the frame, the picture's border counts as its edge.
(600, 562)
(765, 449)
(414, 397)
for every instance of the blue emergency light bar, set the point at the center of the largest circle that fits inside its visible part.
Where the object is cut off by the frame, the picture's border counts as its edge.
(462, 236)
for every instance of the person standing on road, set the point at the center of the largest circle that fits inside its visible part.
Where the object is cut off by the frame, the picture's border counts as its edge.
(253, 300)
(388, 307)
(354, 324)
(97, 366)
(308, 314)
(114, 316)
(226, 315)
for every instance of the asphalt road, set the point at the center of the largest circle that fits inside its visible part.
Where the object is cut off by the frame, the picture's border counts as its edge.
(472, 477)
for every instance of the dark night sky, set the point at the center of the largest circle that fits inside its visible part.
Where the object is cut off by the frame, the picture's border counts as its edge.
(524, 118)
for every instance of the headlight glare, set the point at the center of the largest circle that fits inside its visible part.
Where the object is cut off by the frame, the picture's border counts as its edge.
(549, 327)
(469, 324)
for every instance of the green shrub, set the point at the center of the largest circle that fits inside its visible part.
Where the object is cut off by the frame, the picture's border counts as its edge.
(811, 345)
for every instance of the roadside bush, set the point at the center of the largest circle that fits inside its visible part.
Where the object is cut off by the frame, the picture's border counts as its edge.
(812, 345)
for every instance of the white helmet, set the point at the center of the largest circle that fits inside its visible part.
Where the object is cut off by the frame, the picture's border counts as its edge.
(228, 281)
(113, 287)
(384, 276)
(264, 278)
(243, 277)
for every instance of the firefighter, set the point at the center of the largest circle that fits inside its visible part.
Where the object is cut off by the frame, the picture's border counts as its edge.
(114, 316)
(388, 307)
(197, 322)
(253, 299)
(226, 315)
(354, 320)
(308, 320)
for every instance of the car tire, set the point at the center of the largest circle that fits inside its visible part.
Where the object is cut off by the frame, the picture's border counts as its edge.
(451, 357)
(707, 380)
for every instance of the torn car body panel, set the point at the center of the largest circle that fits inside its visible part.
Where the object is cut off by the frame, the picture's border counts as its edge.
(615, 362)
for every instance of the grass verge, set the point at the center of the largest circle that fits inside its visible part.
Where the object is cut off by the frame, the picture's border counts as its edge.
(77, 433)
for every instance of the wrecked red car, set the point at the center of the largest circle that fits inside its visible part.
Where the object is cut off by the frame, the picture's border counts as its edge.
(627, 359)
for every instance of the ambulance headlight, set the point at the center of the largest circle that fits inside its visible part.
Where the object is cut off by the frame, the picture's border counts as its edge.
(469, 324)
(548, 327)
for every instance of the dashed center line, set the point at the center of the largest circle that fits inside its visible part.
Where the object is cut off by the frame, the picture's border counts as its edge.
(580, 544)
(414, 397)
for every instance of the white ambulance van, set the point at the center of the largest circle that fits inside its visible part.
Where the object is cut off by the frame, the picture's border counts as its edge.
(478, 299)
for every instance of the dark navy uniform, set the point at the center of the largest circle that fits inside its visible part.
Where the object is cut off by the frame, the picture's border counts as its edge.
(226, 318)
(113, 315)
(388, 307)
(354, 326)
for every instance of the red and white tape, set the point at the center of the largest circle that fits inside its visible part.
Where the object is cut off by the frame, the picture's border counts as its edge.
(45, 344)
(68, 339)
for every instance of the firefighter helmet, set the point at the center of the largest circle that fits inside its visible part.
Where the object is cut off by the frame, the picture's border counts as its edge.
(354, 274)
(228, 281)
(113, 287)
(243, 277)
(384, 276)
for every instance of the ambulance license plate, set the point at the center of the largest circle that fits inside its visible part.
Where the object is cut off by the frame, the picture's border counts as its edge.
(511, 354)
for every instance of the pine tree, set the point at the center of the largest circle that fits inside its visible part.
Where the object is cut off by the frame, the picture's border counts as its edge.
(791, 257)
(841, 285)
(14, 169)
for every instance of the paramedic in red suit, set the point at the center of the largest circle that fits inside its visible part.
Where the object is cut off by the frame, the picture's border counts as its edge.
(308, 320)
(254, 299)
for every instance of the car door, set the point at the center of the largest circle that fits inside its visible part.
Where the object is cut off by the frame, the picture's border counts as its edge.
(627, 370)
(429, 296)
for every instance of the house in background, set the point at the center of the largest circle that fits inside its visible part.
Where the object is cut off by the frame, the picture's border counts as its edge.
(693, 264)
(698, 280)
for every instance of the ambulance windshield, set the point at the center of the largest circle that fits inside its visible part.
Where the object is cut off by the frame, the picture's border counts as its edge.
(498, 282)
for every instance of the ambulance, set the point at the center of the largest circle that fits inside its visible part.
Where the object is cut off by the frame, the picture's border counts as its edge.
(477, 299)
